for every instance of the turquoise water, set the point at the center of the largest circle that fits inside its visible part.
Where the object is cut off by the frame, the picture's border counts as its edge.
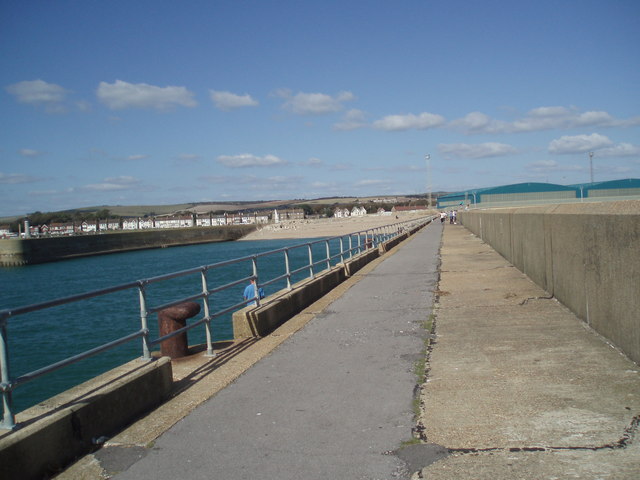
(40, 338)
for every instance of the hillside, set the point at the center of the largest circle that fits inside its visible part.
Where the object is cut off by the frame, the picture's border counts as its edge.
(152, 210)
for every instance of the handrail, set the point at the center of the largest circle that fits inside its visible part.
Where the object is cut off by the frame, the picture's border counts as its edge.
(372, 237)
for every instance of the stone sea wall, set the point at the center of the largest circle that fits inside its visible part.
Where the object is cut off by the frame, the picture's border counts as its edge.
(16, 252)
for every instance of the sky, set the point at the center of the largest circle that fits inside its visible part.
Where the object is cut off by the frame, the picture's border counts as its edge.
(163, 102)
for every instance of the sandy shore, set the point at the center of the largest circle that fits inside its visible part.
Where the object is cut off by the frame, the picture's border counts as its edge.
(326, 227)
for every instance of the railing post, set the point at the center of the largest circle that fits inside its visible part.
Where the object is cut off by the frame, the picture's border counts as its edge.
(328, 255)
(146, 355)
(311, 275)
(341, 251)
(207, 323)
(350, 245)
(287, 268)
(8, 418)
(256, 288)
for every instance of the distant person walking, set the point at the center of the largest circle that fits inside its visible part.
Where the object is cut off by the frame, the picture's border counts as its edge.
(443, 216)
(251, 292)
(455, 217)
(450, 217)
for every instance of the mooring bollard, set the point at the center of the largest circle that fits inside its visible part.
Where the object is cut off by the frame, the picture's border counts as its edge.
(172, 319)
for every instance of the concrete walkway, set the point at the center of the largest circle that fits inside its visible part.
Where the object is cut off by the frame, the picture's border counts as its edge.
(517, 387)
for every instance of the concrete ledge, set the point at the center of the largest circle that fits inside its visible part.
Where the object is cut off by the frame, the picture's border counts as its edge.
(389, 244)
(585, 254)
(278, 308)
(354, 264)
(68, 425)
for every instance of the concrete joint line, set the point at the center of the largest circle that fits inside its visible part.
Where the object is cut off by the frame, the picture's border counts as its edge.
(624, 441)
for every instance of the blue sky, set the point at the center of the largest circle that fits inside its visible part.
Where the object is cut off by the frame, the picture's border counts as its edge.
(158, 102)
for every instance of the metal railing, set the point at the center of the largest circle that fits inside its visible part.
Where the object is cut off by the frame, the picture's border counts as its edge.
(347, 246)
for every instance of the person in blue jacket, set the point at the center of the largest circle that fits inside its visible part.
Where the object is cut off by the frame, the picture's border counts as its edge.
(250, 292)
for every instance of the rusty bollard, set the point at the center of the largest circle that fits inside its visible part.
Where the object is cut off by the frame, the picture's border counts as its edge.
(172, 319)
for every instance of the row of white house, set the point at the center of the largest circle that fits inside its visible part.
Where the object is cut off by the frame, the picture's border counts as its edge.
(165, 221)
(354, 212)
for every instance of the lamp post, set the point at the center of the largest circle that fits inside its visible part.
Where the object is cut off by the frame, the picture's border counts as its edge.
(427, 157)
(591, 165)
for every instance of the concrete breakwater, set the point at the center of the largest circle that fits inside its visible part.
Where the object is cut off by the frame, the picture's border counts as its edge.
(28, 251)
(585, 255)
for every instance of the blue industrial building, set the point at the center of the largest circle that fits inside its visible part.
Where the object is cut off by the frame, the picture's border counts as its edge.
(520, 194)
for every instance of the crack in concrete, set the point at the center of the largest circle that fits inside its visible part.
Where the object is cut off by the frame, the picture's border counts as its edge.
(526, 300)
(419, 456)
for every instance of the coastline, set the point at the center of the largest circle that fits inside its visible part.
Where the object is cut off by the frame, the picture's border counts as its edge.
(328, 227)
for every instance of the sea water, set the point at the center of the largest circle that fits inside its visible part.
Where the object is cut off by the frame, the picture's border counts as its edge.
(41, 338)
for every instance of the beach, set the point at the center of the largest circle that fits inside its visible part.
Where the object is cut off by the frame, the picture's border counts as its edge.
(328, 227)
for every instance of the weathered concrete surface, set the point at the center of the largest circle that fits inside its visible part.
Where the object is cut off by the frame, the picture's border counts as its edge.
(58, 430)
(587, 255)
(518, 386)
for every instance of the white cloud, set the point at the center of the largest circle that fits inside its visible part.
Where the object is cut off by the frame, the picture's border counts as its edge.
(478, 122)
(620, 150)
(481, 150)
(120, 95)
(137, 157)
(547, 166)
(229, 101)
(352, 120)
(369, 182)
(589, 119)
(123, 182)
(273, 184)
(313, 162)
(188, 157)
(28, 152)
(323, 184)
(542, 166)
(316, 103)
(546, 118)
(578, 143)
(39, 93)
(247, 160)
(16, 178)
(409, 121)
(541, 118)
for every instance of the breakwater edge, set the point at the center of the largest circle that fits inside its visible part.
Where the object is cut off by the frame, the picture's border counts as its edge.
(30, 251)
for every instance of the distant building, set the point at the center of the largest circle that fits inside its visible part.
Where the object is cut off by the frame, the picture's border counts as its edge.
(288, 214)
(521, 194)
(415, 208)
(358, 211)
(173, 221)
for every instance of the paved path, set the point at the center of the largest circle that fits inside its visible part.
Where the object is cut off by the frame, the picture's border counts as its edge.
(329, 403)
(519, 388)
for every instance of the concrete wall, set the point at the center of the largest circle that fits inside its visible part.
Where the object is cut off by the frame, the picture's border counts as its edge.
(15, 252)
(55, 433)
(585, 255)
